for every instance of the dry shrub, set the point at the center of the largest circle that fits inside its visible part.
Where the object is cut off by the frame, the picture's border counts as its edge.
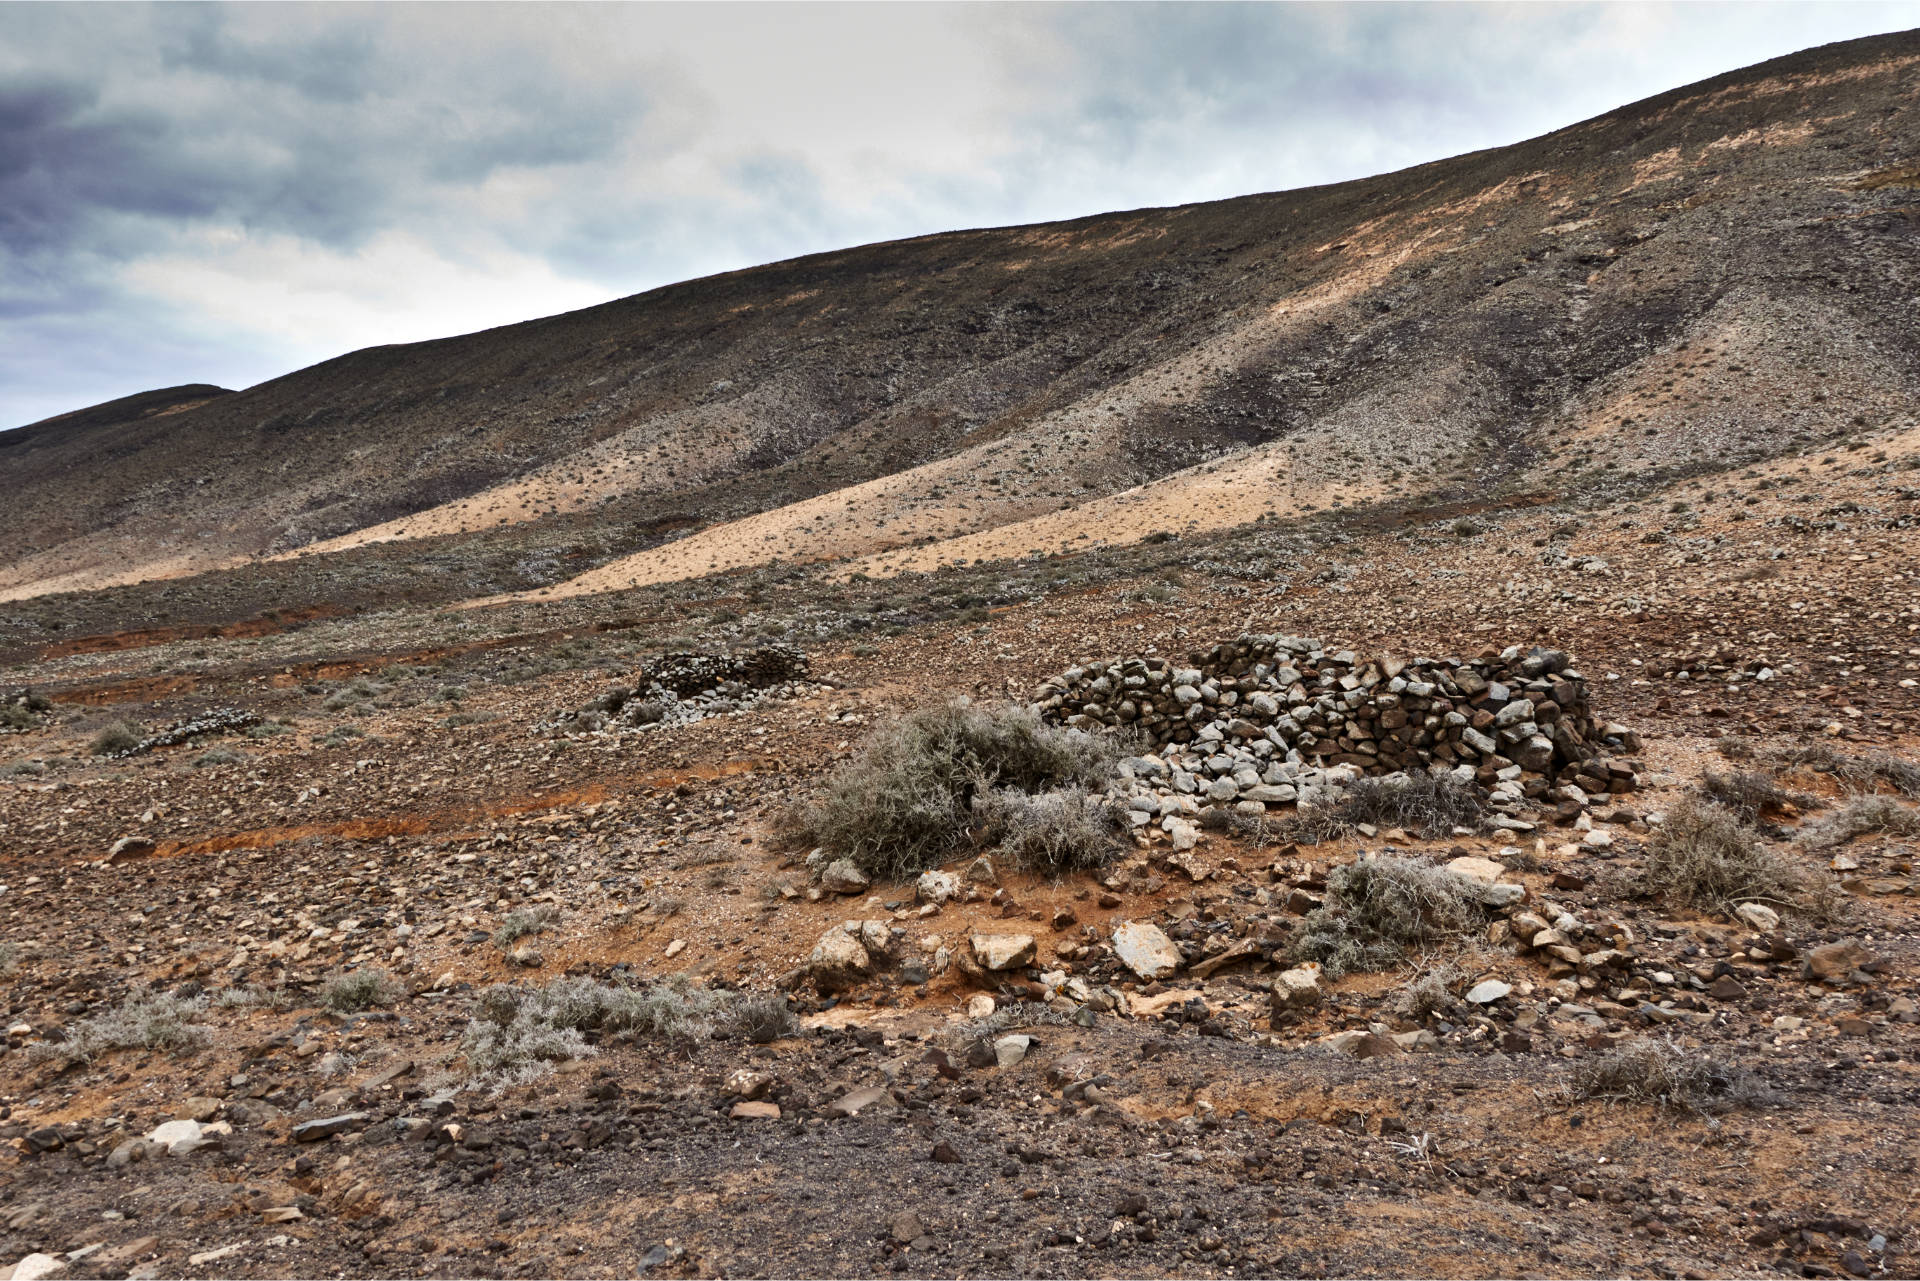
(1068, 830)
(1378, 910)
(121, 736)
(1747, 794)
(905, 802)
(1864, 773)
(1653, 1071)
(1705, 856)
(1863, 816)
(360, 990)
(145, 1020)
(1426, 805)
(516, 1032)
(523, 922)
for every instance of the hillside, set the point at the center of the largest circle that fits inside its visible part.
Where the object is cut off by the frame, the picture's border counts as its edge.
(1368, 732)
(1703, 276)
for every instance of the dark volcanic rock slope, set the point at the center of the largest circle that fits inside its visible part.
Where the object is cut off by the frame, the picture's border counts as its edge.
(1719, 272)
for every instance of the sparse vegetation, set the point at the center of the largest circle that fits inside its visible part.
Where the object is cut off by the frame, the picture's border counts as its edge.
(1378, 910)
(1427, 805)
(1863, 816)
(524, 922)
(1705, 856)
(146, 1020)
(120, 736)
(517, 1032)
(1748, 794)
(219, 756)
(1864, 773)
(1066, 830)
(1657, 1071)
(905, 802)
(360, 990)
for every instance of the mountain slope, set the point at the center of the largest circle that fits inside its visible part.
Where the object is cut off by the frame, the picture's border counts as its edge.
(1720, 272)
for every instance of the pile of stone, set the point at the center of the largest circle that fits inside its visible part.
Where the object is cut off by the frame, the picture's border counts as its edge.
(689, 675)
(226, 720)
(1267, 720)
(681, 688)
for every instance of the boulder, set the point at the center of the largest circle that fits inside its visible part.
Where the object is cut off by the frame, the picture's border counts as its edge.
(1836, 960)
(176, 1138)
(1296, 989)
(327, 1127)
(936, 887)
(1146, 950)
(1000, 952)
(838, 961)
(842, 877)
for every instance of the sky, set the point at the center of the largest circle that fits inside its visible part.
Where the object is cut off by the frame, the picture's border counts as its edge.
(215, 193)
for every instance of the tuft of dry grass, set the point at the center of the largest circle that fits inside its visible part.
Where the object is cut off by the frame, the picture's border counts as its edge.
(1748, 794)
(360, 990)
(1863, 816)
(1704, 856)
(1066, 830)
(905, 802)
(1377, 910)
(1656, 1071)
(145, 1020)
(1865, 773)
(1426, 805)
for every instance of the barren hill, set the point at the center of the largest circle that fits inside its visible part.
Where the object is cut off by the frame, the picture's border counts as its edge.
(1503, 575)
(1703, 276)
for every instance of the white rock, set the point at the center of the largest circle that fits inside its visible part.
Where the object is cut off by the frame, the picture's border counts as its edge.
(1298, 987)
(36, 1266)
(1758, 917)
(1009, 1050)
(838, 961)
(842, 877)
(1003, 951)
(1487, 991)
(1483, 870)
(936, 887)
(980, 1007)
(177, 1137)
(1146, 950)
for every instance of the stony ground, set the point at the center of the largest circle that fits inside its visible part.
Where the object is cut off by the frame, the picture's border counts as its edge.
(396, 806)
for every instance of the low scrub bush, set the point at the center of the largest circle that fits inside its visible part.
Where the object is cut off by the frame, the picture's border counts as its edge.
(360, 990)
(1747, 794)
(121, 736)
(1704, 856)
(516, 1032)
(1654, 1071)
(1426, 805)
(1378, 910)
(146, 1020)
(905, 802)
(526, 921)
(1068, 830)
(1863, 816)
(1866, 773)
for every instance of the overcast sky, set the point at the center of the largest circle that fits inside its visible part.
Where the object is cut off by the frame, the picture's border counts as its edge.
(224, 194)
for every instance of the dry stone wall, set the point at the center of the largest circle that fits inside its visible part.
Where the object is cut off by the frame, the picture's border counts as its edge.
(1256, 718)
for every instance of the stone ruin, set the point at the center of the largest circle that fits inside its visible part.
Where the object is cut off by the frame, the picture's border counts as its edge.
(1267, 720)
(683, 687)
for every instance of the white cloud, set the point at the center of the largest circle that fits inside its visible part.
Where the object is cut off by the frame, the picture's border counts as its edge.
(396, 288)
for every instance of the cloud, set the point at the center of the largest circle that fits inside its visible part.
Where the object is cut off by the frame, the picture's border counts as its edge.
(221, 193)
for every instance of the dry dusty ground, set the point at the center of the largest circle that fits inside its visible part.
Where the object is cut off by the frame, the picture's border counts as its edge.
(406, 805)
